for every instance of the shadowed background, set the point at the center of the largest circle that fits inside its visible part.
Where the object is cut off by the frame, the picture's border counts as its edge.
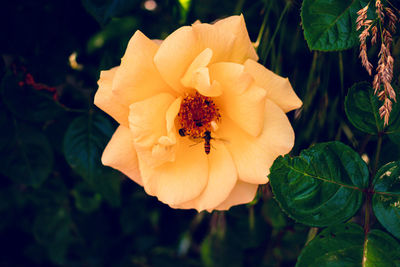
(60, 207)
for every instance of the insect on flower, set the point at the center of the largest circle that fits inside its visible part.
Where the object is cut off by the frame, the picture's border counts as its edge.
(207, 138)
(201, 85)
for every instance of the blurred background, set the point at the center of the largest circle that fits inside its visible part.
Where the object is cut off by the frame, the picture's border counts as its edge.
(60, 207)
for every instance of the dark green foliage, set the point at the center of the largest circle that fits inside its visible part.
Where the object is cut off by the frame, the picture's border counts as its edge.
(59, 206)
(84, 142)
(386, 200)
(323, 186)
(362, 108)
(346, 245)
(330, 25)
(85, 199)
(28, 104)
(52, 229)
(27, 157)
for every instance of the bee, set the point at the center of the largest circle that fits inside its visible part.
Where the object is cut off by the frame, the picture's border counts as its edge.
(207, 137)
(182, 132)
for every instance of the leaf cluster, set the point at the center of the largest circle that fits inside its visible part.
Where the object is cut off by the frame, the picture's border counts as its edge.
(353, 195)
(60, 207)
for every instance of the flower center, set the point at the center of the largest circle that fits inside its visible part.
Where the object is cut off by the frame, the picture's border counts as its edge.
(196, 114)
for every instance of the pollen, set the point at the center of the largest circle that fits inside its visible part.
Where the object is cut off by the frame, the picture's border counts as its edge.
(197, 115)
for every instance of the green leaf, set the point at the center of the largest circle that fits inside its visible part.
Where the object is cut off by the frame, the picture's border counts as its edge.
(322, 186)
(28, 157)
(393, 129)
(362, 108)
(84, 142)
(330, 25)
(345, 245)
(386, 200)
(27, 103)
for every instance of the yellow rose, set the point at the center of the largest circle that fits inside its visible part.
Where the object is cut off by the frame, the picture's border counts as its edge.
(201, 122)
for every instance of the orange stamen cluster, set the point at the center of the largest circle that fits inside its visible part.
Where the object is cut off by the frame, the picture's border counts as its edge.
(196, 114)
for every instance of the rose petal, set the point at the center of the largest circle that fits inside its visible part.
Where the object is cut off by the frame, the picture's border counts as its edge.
(278, 88)
(149, 126)
(222, 179)
(198, 76)
(107, 101)
(201, 79)
(217, 39)
(180, 181)
(278, 135)
(120, 154)
(242, 193)
(157, 41)
(242, 101)
(175, 55)
(242, 48)
(147, 119)
(230, 75)
(171, 114)
(200, 61)
(137, 77)
(180, 49)
(213, 90)
(253, 156)
(246, 110)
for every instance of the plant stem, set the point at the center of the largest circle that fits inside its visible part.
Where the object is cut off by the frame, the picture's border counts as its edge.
(262, 29)
(366, 224)
(341, 74)
(251, 218)
(288, 4)
(311, 77)
(367, 215)
(369, 192)
(377, 155)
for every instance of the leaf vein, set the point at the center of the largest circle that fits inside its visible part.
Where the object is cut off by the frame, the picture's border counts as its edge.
(322, 178)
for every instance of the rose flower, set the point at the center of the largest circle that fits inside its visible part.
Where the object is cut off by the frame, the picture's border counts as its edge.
(201, 122)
